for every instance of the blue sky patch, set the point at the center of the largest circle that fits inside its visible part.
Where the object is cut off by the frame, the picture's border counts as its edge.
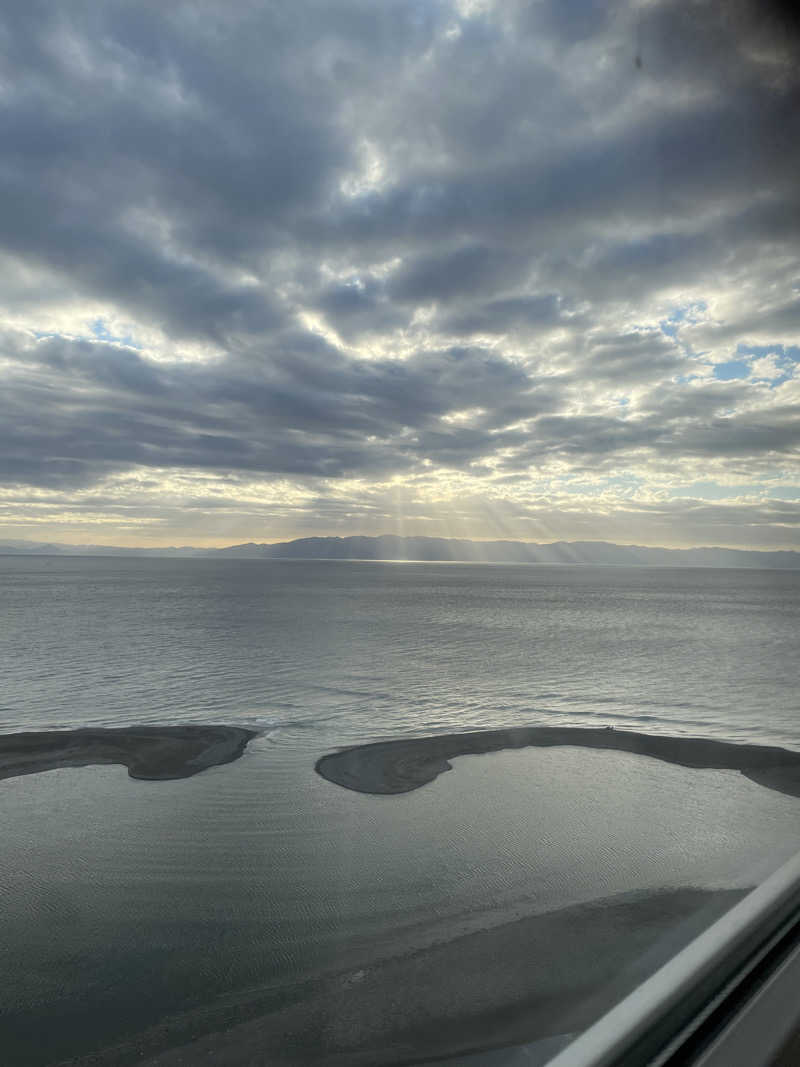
(102, 333)
(734, 368)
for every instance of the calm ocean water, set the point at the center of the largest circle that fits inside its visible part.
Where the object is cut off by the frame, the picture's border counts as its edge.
(354, 651)
(125, 902)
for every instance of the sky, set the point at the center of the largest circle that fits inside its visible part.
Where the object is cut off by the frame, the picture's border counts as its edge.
(472, 268)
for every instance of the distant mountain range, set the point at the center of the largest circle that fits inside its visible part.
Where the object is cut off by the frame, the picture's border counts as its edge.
(443, 549)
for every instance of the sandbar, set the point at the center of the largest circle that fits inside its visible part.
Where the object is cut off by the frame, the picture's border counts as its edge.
(152, 753)
(400, 766)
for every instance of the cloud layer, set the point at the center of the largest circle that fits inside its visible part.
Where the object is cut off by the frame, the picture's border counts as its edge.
(489, 269)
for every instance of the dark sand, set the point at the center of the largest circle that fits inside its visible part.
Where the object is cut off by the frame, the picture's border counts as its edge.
(522, 981)
(155, 753)
(400, 766)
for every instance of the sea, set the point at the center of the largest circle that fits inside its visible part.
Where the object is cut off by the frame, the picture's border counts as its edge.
(128, 903)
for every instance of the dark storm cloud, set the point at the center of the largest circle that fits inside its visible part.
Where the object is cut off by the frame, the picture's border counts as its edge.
(266, 181)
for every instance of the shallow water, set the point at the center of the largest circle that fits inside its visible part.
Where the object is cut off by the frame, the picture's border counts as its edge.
(126, 901)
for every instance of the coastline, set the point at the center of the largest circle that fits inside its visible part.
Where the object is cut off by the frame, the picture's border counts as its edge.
(151, 753)
(400, 766)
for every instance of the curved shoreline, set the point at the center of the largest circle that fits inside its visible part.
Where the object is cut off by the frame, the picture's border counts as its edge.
(389, 767)
(151, 753)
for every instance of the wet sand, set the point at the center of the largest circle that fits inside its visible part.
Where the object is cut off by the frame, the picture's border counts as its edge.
(388, 767)
(154, 753)
(535, 977)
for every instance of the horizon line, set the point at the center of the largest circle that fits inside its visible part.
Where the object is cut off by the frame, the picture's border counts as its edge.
(22, 541)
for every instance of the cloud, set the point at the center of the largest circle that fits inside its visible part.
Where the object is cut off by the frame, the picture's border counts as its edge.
(335, 245)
